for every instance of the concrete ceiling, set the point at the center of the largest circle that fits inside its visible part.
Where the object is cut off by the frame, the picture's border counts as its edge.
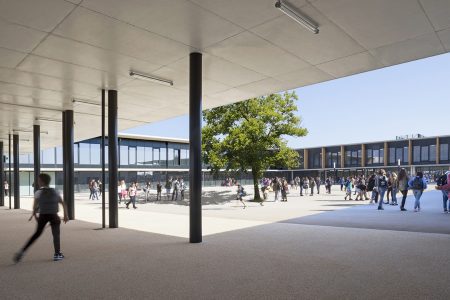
(54, 50)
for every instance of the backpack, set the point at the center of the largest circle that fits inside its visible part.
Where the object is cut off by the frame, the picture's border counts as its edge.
(417, 183)
(371, 184)
(382, 182)
(442, 180)
(306, 185)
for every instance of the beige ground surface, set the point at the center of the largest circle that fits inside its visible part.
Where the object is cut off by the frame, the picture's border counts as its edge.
(308, 248)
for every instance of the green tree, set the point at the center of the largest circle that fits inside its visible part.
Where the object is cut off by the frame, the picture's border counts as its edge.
(249, 135)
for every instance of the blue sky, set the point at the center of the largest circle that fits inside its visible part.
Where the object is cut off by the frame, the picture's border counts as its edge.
(405, 99)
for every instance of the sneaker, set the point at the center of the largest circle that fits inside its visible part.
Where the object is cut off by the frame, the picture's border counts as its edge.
(445, 211)
(403, 209)
(58, 256)
(415, 209)
(18, 257)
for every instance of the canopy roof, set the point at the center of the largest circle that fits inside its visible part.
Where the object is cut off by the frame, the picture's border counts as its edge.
(52, 51)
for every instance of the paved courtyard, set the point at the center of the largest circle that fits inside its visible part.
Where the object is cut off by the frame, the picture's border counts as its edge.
(319, 247)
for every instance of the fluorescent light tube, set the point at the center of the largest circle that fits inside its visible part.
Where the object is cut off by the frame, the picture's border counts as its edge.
(297, 16)
(151, 78)
(85, 102)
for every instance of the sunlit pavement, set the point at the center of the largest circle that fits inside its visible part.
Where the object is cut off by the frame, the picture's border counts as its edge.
(221, 212)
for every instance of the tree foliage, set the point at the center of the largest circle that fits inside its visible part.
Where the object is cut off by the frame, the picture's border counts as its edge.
(249, 135)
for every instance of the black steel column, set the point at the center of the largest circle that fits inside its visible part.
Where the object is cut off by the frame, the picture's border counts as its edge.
(68, 163)
(112, 159)
(36, 154)
(2, 172)
(103, 161)
(9, 167)
(195, 148)
(16, 171)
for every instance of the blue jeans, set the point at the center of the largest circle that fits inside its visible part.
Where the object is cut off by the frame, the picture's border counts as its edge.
(381, 192)
(394, 196)
(417, 195)
(445, 200)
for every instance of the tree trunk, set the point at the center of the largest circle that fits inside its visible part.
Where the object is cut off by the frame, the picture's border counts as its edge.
(257, 196)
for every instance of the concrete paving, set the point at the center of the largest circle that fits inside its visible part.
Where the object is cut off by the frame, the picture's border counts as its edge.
(284, 258)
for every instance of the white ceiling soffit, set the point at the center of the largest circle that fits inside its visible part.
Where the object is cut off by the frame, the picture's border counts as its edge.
(52, 51)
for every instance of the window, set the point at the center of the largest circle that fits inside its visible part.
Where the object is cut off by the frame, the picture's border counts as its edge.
(59, 155)
(124, 155)
(84, 154)
(25, 159)
(424, 154)
(416, 154)
(48, 157)
(369, 154)
(381, 156)
(348, 157)
(444, 152)
(184, 157)
(392, 156)
(132, 155)
(140, 153)
(376, 156)
(432, 153)
(176, 157)
(399, 155)
(406, 155)
(75, 154)
(170, 158)
(148, 156)
(95, 154)
(156, 156)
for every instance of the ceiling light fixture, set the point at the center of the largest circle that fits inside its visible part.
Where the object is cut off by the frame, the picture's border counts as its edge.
(48, 119)
(85, 102)
(151, 78)
(296, 15)
(27, 130)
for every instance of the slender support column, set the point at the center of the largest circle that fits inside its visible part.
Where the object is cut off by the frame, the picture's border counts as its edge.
(112, 159)
(16, 171)
(68, 165)
(324, 158)
(2, 172)
(410, 152)
(386, 154)
(195, 148)
(103, 161)
(306, 159)
(9, 167)
(36, 154)
(363, 155)
(342, 157)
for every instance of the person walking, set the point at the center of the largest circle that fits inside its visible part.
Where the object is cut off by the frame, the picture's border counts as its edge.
(148, 187)
(417, 184)
(443, 184)
(381, 183)
(240, 194)
(46, 204)
(318, 183)
(284, 190)
(158, 191)
(394, 188)
(168, 186)
(302, 184)
(341, 182)
(348, 189)
(312, 184)
(276, 188)
(175, 187)
(132, 190)
(443, 181)
(402, 184)
(372, 188)
(119, 191)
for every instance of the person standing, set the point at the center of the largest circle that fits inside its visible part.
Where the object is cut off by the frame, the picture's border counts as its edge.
(46, 204)
(168, 186)
(158, 191)
(148, 187)
(394, 188)
(302, 183)
(318, 183)
(381, 183)
(182, 188)
(119, 191)
(348, 189)
(402, 183)
(312, 184)
(341, 182)
(418, 184)
(284, 190)
(100, 187)
(6, 187)
(175, 187)
(132, 193)
(241, 194)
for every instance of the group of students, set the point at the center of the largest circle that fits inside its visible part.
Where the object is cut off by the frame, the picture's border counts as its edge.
(177, 186)
(95, 189)
(383, 184)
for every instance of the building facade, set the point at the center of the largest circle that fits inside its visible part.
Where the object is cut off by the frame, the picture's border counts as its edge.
(427, 154)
